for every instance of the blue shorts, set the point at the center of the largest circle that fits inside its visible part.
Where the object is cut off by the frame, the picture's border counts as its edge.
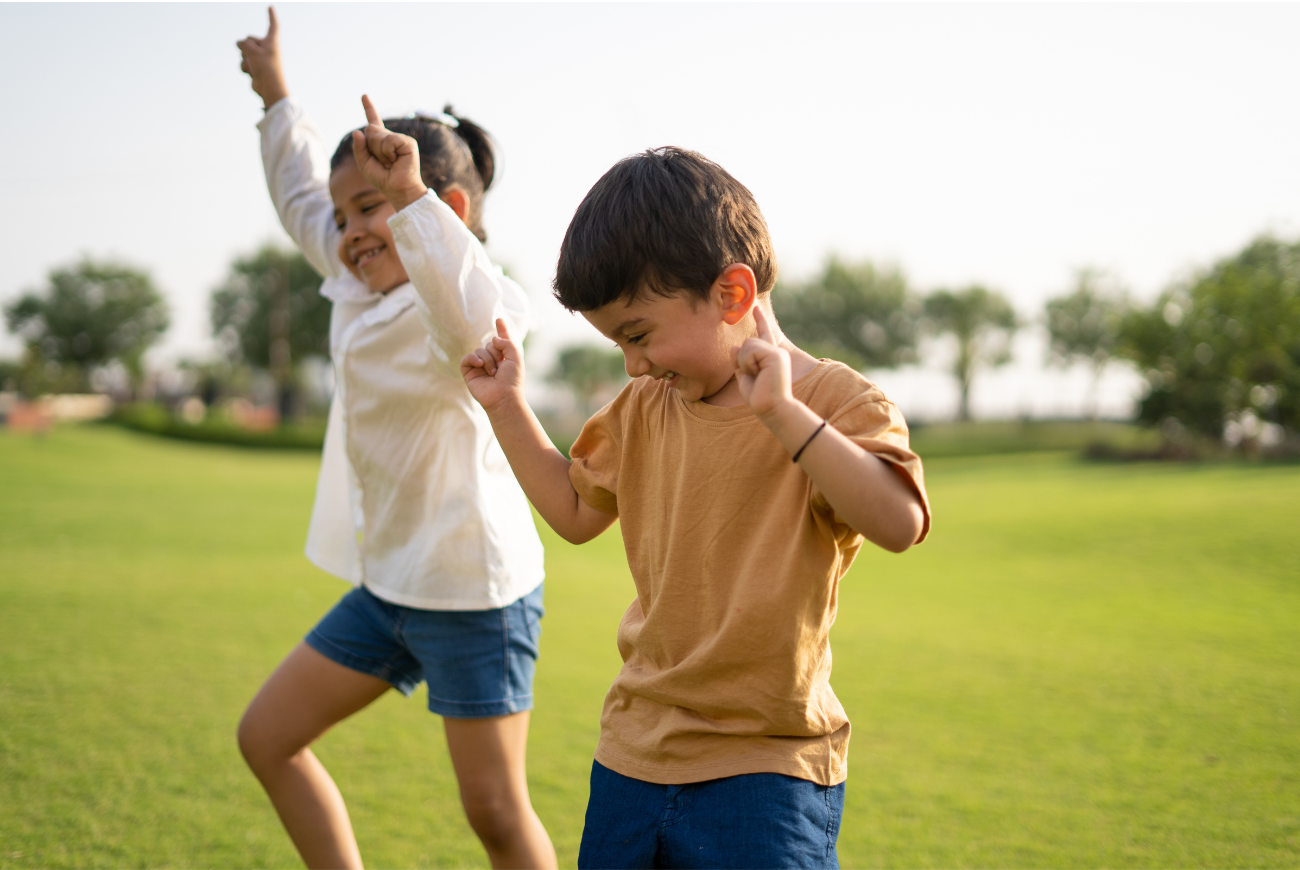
(751, 820)
(478, 663)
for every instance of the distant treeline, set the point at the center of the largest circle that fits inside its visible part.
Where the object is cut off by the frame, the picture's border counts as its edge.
(1219, 351)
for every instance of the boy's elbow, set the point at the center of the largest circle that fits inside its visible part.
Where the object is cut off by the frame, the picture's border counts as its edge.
(584, 526)
(906, 532)
(574, 536)
(898, 545)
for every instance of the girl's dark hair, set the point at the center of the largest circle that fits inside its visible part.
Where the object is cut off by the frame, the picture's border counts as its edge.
(462, 156)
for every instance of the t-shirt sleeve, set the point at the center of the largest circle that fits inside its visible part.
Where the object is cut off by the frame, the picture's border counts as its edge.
(595, 457)
(876, 425)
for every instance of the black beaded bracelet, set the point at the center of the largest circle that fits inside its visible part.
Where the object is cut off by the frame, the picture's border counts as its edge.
(815, 433)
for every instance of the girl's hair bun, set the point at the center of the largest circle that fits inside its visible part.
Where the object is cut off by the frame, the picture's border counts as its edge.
(453, 151)
(481, 146)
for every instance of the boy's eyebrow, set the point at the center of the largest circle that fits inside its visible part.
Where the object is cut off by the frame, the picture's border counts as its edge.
(623, 327)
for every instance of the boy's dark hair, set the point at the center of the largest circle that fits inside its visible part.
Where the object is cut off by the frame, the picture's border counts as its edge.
(668, 221)
(462, 155)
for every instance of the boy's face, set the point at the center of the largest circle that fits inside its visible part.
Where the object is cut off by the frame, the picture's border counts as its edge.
(366, 245)
(683, 340)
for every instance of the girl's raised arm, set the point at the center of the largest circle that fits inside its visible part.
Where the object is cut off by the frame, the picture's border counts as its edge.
(260, 58)
(297, 169)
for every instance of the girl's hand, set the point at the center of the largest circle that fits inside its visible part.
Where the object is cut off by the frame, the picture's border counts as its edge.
(388, 160)
(495, 373)
(261, 60)
(762, 370)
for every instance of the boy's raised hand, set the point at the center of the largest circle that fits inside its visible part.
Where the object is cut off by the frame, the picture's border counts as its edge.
(388, 160)
(495, 373)
(762, 369)
(261, 60)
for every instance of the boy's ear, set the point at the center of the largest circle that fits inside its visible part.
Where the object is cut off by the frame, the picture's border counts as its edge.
(458, 200)
(736, 290)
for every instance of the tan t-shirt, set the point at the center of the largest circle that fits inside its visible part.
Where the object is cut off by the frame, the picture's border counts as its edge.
(737, 559)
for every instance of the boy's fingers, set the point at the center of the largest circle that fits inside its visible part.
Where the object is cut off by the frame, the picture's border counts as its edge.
(503, 341)
(479, 360)
(764, 327)
(273, 29)
(372, 116)
(753, 353)
(740, 358)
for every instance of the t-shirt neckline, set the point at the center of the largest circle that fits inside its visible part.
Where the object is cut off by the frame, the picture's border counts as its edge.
(712, 413)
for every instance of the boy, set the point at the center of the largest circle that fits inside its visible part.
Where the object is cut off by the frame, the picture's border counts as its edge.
(722, 744)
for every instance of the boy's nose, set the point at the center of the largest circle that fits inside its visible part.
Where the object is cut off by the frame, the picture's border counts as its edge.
(635, 364)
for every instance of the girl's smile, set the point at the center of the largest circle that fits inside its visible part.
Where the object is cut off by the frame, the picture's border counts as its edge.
(366, 243)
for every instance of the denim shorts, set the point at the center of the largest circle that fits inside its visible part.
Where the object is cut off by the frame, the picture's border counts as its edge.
(751, 820)
(477, 663)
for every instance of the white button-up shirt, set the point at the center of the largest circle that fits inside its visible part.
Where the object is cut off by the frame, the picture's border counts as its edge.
(415, 498)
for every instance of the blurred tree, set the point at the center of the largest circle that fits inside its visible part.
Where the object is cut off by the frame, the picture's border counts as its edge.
(1224, 347)
(269, 314)
(860, 314)
(90, 314)
(1084, 326)
(10, 371)
(588, 372)
(982, 322)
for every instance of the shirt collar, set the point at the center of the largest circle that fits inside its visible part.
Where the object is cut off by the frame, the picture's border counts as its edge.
(347, 288)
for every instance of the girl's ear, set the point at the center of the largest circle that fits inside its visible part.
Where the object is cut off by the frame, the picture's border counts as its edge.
(457, 200)
(736, 290)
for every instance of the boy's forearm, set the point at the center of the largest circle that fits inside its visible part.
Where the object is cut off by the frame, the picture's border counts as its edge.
(543, 473)
(865, 491)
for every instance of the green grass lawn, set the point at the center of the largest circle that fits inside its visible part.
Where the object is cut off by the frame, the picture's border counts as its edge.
(1085, 666)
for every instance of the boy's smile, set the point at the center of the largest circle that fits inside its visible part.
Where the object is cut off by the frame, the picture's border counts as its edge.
(682, 341)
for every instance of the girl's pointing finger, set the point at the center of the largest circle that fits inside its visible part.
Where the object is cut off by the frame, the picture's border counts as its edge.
(372, 116)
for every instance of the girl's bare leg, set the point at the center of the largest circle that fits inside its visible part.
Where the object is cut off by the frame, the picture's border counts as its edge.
(305, 696)
(489, 755)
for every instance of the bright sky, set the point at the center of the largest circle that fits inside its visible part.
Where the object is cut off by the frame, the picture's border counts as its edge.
(1007, 145)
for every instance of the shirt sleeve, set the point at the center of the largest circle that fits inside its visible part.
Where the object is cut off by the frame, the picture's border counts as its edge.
(297, 176)
(461, 291)
(876, 425)
(597, 453)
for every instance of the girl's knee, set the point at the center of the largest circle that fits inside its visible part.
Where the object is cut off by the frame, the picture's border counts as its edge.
(260, 743)
(247, 734)
(496, 815)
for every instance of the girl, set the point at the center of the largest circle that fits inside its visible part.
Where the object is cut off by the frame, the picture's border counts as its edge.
(415, 505)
